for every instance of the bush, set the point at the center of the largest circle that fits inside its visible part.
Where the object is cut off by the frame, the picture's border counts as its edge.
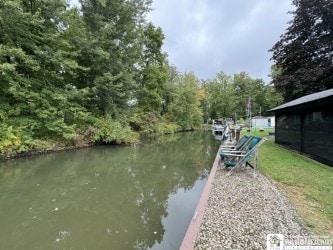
(144, 122)
(166, 128)
(14, 139)
(110, 131)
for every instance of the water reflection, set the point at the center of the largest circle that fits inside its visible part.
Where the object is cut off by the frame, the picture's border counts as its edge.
(105, 197)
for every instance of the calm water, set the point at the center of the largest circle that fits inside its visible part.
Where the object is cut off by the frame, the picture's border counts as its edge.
(105, 197)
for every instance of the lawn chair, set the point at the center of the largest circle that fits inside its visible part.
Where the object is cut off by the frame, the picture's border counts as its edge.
(237, 144)
(240, 159)
(238, 147)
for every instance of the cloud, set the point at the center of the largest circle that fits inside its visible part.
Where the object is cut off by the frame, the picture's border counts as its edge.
(209, 36)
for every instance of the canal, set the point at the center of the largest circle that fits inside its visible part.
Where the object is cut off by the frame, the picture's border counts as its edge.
(105, 197)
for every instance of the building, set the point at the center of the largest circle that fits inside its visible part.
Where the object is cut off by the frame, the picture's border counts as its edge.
(263, 122)
(306, 125)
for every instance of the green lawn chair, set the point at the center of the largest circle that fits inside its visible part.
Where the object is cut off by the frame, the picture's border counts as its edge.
(238, 147)
(239, 159)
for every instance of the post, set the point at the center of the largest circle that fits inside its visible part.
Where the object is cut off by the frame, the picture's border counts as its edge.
(250, 118)
(256, 162)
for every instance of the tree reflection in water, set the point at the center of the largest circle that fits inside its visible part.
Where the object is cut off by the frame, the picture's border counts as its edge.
(107, 197)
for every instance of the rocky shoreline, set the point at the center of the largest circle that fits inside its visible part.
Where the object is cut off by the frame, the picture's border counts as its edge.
(243, 209)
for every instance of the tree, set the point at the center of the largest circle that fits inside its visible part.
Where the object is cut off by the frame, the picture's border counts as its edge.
(227, 96)
(263, 97)
(35, 64)
(168, 98)
(185, 109)
(244, 89)
(304, 54)
(152, 80)
(219, 100)
(115, 51)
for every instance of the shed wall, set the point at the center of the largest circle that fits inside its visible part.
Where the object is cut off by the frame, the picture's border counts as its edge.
(288, 130)
(318, 136)
(307, 131)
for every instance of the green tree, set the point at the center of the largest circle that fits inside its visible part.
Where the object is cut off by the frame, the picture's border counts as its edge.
(304, 53)
(115, 51)
(263, 97)
(185, 109)
(219, 95)
(227, 96)
(243, 91)
(35, 65)
(152, 80)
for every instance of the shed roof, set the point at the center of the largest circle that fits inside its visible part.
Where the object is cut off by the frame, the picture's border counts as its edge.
(305, 99)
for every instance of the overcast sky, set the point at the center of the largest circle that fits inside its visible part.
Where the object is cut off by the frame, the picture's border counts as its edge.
(209, 36)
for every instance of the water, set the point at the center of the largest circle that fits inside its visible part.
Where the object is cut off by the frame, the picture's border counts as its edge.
(106, 197)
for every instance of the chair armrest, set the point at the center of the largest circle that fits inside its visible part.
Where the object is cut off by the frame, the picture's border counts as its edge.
(226, 146)
(231, 151)
(240, 155)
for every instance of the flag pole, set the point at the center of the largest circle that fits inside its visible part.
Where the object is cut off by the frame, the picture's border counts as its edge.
(249, 114)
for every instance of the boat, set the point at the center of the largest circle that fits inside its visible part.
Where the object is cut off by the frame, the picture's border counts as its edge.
(220, 128)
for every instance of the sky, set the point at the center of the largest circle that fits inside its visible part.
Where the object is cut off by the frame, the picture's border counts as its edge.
(209, 36)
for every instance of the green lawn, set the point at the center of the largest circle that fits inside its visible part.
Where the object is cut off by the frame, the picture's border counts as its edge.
(309, 184)
(257, 132)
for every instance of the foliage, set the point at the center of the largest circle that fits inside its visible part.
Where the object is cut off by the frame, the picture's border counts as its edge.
(143, 122)
(219, 97)
(166, 128)
(185, 110)
(111, 52)
(61, 68)
(153, 74)
(98, 75)
(109, 131)
(304, 53)
(228, 96)
(13, 139)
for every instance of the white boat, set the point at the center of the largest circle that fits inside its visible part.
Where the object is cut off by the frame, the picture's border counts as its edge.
(218, 130)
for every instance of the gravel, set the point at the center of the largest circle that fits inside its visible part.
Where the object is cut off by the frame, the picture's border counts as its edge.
(243, 209)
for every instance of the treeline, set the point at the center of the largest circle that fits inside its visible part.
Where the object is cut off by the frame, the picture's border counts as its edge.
(229, 96)
(98, 74)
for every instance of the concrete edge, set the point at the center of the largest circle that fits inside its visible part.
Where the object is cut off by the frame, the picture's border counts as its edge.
(194, 226)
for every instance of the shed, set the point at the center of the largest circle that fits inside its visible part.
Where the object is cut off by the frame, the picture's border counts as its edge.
(263, 122)
(306, 125)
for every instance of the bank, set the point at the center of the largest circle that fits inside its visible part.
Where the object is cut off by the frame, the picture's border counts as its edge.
(239, 211)
(17, 147)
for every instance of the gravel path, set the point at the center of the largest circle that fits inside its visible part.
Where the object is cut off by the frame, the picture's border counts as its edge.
(242, 210)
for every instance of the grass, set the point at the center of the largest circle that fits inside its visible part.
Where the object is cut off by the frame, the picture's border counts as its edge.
(257, 132)
(308, 184)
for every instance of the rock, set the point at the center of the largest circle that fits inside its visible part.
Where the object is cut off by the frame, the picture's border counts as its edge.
(242, 210)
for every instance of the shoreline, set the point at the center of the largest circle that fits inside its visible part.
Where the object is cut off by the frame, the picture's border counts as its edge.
(40, 151)
(34, 152)
(238, 211)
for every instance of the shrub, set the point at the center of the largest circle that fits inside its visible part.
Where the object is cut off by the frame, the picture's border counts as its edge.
(14, 139)
(112, 131)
